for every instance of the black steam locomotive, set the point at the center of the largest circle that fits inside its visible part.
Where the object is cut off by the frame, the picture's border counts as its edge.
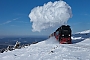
(63, 34)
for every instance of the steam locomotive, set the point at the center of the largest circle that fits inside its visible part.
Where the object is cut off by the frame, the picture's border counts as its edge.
(63, 34)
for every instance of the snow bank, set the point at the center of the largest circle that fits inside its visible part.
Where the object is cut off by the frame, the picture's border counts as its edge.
(85, 42)
(51, 40)
(76, 38)
(51, 14)
(50, 49)
(83, 32)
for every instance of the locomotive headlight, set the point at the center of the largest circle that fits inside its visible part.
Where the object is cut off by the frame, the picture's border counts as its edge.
(62, 34)
(69, 35)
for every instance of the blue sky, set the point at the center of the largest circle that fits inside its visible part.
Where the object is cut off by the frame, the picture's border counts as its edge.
(14, 20)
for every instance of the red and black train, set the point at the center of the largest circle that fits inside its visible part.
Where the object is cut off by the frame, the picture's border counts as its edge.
(63, 34)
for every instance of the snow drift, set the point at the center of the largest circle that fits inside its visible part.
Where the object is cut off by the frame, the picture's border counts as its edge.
(50, 49)
(51, 14)
(83, 32)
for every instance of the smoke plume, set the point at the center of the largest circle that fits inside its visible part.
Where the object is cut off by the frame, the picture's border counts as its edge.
(50, 15)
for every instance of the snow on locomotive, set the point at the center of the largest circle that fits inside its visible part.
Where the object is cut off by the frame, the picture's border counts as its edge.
(63, 34)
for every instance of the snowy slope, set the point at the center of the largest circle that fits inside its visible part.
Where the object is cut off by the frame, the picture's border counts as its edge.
(83, 32)
(50, 49)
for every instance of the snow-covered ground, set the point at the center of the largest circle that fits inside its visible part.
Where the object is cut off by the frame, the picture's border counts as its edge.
(86, 31)
(50, 49)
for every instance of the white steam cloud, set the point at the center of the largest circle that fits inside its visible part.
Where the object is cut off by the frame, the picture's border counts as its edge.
(50, 15)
